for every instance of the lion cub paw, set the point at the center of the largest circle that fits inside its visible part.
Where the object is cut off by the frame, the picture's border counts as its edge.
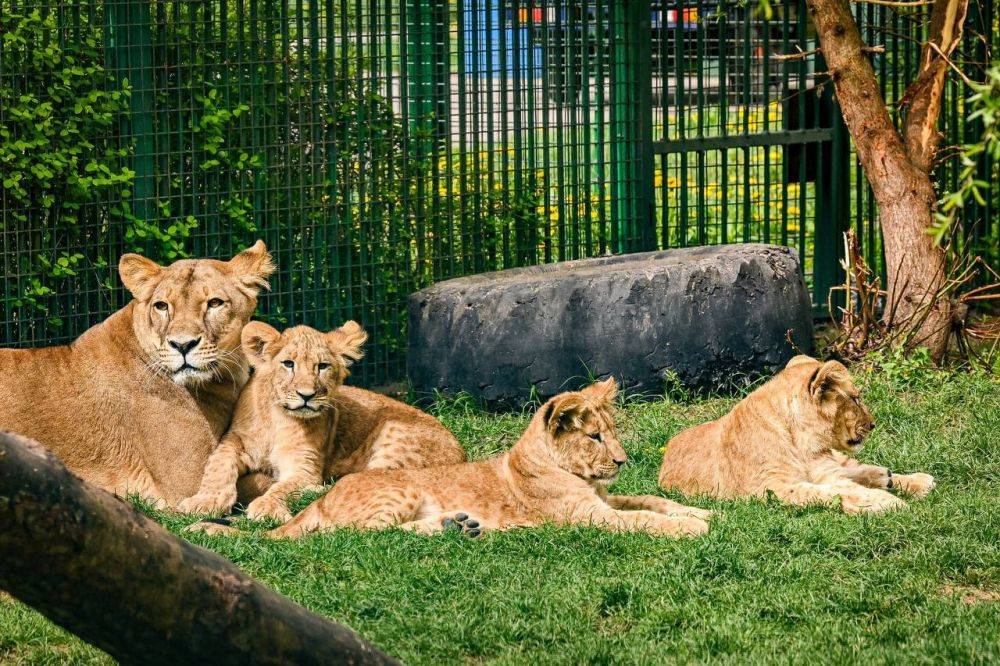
(870, 503)
(916, 485)
(469, 527)
(215, 504)
(679, 527)
(268, 507)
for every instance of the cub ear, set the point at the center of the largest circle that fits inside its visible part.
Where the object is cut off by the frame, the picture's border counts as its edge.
(139, 275)
(826, 377)
(801, 359)
(564, 413)
(252, 267)
(259, 342)
(603, 392)
(347, 341)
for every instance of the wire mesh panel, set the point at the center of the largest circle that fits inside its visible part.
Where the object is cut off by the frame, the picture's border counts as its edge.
(378, 146)
(748, 145)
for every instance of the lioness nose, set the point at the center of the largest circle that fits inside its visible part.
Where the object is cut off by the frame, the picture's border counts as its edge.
(184, 346)
(305, 395)
(620, 461)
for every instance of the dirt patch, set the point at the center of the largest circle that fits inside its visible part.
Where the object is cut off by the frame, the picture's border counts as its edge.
(971, 595)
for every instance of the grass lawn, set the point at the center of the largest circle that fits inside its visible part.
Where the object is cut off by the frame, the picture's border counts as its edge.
(768, 583)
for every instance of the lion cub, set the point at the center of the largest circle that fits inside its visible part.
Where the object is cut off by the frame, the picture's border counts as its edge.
(791, 437)
(557, 472)
(296, 421)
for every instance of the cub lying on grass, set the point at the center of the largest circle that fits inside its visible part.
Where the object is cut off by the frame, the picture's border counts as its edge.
(790, 437)
(297, 421)
(557, 472)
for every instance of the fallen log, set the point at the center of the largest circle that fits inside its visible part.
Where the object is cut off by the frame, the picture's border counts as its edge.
(94, 565)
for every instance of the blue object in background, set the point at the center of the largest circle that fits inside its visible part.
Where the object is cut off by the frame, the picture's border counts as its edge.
(485, 29)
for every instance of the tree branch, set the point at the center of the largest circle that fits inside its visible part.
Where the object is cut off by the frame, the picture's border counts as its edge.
(97, 567)
(923, 97)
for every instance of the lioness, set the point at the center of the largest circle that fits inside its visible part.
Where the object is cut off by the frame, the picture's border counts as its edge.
(137, 403)
(296, 421)
(791, 437)
(557, 472)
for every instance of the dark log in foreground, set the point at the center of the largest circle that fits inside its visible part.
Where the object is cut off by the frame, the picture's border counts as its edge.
(97, 567)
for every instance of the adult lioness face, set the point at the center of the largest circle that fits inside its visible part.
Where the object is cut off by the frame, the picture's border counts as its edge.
(188, 316)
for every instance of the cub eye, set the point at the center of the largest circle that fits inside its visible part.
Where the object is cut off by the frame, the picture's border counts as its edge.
(161, 306)
(320, 367)
(288, 363)
(596, 437)
(215, 303)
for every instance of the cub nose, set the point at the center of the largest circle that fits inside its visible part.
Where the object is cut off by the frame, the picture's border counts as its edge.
(621, 461)
(184, 346)
(306, 395)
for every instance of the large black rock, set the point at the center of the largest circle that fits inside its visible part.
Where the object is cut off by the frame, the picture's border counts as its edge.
(707, 316)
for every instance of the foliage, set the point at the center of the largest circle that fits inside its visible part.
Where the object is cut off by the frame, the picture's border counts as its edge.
(58, 152)
(768, 584)
(985, 105)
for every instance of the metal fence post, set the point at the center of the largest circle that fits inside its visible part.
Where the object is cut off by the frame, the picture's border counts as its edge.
(832, 205)
(130, 55)
(632, 128)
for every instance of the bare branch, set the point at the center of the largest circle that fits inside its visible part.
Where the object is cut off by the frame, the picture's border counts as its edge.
(895, 3)
(925, 94)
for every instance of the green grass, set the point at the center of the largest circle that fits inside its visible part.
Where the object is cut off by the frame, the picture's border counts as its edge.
(769, 583)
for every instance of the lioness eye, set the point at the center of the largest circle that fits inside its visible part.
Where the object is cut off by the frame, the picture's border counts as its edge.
(288, 364)
(322, 366)
(596, 437)
(216, 303)
(161, 306)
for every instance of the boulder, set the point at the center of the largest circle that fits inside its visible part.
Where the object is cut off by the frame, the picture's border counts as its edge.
(706, 317)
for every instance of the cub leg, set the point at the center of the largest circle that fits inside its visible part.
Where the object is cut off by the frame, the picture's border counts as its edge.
(295, 474)
(217, 492)
(657, 504)
(451, 520)
(361, 507)
(854, 498)
(873, 476)
(641, 520)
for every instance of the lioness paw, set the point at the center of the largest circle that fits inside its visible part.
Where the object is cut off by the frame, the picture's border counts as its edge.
(469, 527)
(266, 507)
(916, 485)
(208, 504)
(870, 503)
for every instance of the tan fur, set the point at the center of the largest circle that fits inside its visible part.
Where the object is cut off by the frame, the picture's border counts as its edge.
(557, 472)
(793, 437)
(114, 407)
(297, 422)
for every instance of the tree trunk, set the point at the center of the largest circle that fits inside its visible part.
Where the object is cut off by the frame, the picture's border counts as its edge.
(97, 567)
(898, 173)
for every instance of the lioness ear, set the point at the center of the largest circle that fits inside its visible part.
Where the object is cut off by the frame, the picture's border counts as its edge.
(347, 341)
(564, 413)
(603, 392)
(259, 341)
(252, 267)
(801, 359)
(139, 275)
(826, 377)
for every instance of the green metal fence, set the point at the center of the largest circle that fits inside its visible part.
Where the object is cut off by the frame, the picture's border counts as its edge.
(378, 146)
